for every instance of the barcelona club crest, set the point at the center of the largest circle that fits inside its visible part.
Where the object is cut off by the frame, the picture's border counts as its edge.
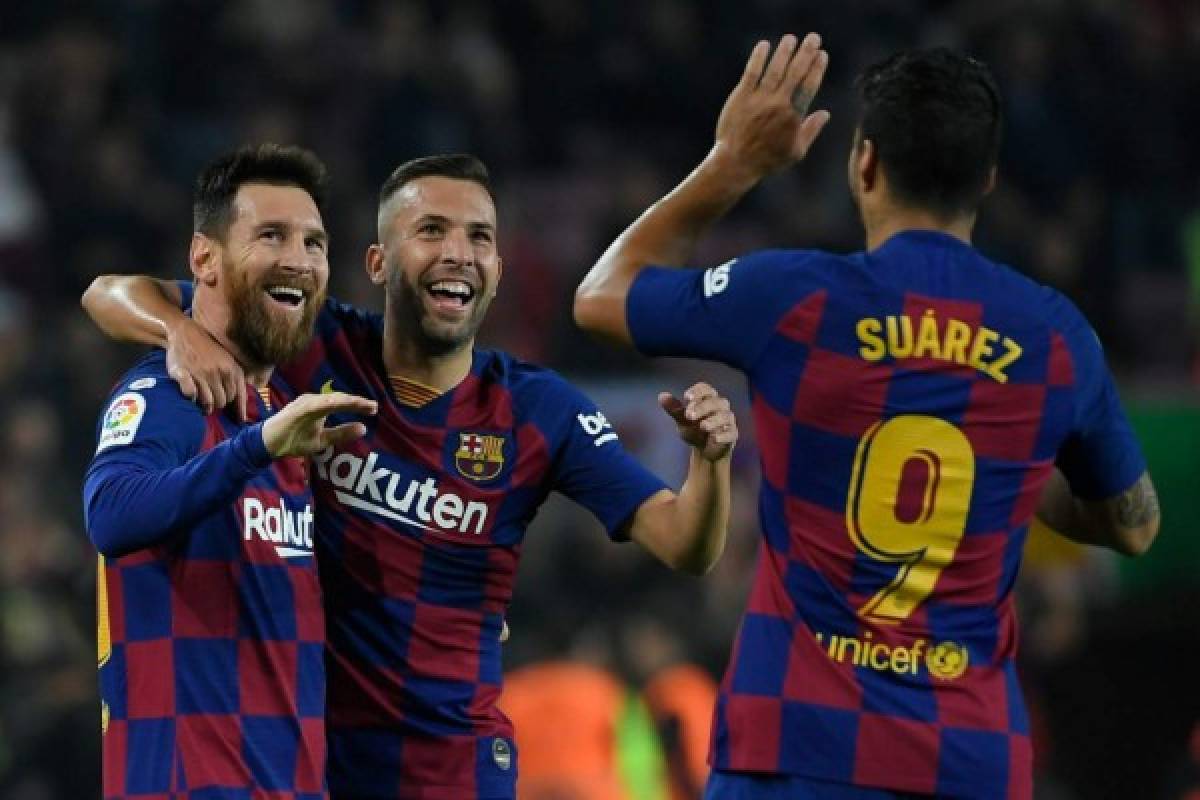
(480, 456)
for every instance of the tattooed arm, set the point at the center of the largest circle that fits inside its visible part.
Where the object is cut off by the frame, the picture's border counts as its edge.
(1126, 522)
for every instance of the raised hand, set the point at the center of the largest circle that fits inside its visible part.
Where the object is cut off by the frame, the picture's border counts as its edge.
(765, 124)
(704, 420)
(299, 427)
(204, 370)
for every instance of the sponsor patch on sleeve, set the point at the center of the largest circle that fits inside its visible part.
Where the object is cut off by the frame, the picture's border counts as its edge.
(143, 383)
(121, 421)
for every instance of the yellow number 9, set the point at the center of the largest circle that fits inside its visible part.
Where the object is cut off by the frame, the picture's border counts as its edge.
(910, 492)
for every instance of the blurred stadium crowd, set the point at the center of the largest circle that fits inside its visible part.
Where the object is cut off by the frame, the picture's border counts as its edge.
(585, 111)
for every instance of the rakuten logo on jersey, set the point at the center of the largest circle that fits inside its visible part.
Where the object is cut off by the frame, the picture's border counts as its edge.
(359, 483)
(290, 531)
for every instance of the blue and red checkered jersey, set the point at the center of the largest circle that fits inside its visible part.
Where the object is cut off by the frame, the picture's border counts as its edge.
(211, 634)
(420, 526)
(909, 404)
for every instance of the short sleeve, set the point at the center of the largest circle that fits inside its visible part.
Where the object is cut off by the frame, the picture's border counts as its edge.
(1101, 456)
(726, 313)
(591, 465)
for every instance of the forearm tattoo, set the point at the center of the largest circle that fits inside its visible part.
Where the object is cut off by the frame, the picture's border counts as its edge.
(1138, 505)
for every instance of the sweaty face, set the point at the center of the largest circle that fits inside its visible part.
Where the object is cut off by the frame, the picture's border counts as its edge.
(440, 258)
(274, 272)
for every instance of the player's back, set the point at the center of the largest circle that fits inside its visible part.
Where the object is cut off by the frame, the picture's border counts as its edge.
(908, 404)
(904, 452)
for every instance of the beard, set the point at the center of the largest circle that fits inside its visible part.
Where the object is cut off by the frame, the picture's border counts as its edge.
(263, 337)
(435, 337)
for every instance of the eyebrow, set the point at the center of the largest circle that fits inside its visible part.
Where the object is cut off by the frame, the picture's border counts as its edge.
(441, 218)
(316, 233)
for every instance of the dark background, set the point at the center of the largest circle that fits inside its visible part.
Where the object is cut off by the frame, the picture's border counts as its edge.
(586, 111)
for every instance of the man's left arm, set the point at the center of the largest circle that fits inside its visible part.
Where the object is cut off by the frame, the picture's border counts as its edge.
(687, 531)
(763, 127)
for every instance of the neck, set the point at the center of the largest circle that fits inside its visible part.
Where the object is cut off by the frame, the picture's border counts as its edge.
(404, 357)
(213, 315)
(895, 221)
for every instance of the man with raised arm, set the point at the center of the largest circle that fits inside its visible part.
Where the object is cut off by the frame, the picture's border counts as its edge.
(911, 402)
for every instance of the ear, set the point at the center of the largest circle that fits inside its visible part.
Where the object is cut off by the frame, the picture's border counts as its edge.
(376, 270)
(866, 164)
(204, 257)
(990, 184)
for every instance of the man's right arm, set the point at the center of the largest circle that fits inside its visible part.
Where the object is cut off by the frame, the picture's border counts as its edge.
(145, 310)
(1126, 522)
(147, 482)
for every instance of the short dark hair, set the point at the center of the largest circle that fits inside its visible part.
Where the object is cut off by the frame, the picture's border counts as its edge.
(934, 117)
(459, 166)
(273, 164)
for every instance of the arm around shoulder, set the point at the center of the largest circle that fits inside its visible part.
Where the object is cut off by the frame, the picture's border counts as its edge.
(134, 308)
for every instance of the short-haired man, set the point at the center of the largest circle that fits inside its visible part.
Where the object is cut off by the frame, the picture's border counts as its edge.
(911, 403)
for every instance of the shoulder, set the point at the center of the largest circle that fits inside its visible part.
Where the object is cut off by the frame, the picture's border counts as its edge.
(147, 404)
(525, 380)
(335, 315)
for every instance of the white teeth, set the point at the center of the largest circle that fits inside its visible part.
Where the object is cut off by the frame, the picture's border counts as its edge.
(460, 288)
(286, 291)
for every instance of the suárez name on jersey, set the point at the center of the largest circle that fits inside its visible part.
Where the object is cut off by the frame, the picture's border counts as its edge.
(363, 485)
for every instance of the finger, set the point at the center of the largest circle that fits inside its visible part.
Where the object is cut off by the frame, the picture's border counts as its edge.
(673, 406)
(706, 407)
(754, 66)
(341, 434)
(216, 387)
(801, 64)
(339, 403)
(698, 391)
(242, 414)
(204, 396)
(806, 90)
(777, 66)
(810, 129)
(715, 422)
(187, 387)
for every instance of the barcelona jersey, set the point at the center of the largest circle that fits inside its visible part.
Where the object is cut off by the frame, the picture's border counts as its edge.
(420, 526)
(211, 633)
(909, 404)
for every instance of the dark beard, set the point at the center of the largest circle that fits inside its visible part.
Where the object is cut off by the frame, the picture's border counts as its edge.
(406, 309)
(265, 341)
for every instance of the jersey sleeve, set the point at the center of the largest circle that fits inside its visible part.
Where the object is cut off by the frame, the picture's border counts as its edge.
(593, 468)
(148, 481)
(726, 313)
(187, 290)
(1101, 456)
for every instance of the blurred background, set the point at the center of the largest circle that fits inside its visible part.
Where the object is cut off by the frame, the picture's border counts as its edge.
(586, 111)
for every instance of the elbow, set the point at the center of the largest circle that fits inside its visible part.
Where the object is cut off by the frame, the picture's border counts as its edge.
(700, 563)
(1134, 542)
(92, 295)
(108, 539)
(587, 308)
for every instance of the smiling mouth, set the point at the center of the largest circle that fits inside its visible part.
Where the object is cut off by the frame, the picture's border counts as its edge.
(451, 295)
(290, 297)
